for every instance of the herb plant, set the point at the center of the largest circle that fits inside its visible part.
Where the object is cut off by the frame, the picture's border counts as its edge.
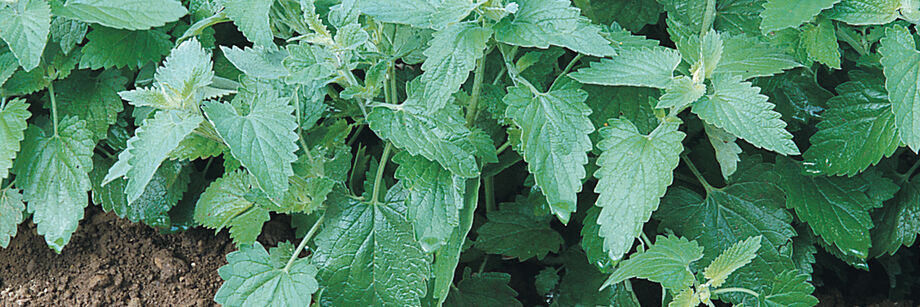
(410, 141)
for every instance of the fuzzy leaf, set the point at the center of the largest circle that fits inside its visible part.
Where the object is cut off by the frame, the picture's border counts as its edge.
(820, 43)
(789, 289)
(434, 14)
(452, 54)
(24, 26)
(434, 201)
(865, 12)
(739, 108)
(13, 124)
(229, 202)
(123, 14)
(732, 259)
(52, 170)
(554, 140)
(901, 61)
(748, 56)
(781, 14)
(680, 92)
(726, 149)
(898, 223)
(648, 67)
(255, 277)
(251, 17)
(635, 171)
(514, 231)
(666, 262)
(11, 207)
(541, 23)
(92, 99)
(488, 289)
(109, 47)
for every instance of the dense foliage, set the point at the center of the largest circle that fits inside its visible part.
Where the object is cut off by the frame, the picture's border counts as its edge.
(709, 147)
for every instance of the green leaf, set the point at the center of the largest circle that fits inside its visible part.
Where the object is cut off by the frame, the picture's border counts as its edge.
(434, 201)
(255, 277)
(52, 172)
(581, 279)
(93, 99)
(546, 281)
(123, 14)
(152, 143)
(901, 61)
(24, 26)
(167, 187)
(541, 23)
(730, 260)
(554, 140)
(632, 103)
(748, 56)
(13, 118)
(440, 137)
(452, 54)
(488, 289)
(648, 67)
(836, 208)
(781, 14)
(726, 149)
(229, 202)
(789, 290)
(820, 42)
(631, 14)
(739, 108)
(180, 82)
(865, 12)
(666, 262)
(635, 171)
(251, 17)
(259, 62)
(686, 298)
(259, 129)
(898, 223)
(858, 129)
(433, 14)
(515, 231)
(447, 257)
(368, 255)
(8, 66)
(750, 206)
(68, 33)
(591, 241)
(11, 207)
(680, 92)
(109, 47)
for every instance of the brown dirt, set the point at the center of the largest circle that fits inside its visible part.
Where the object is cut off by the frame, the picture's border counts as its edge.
(113, 262)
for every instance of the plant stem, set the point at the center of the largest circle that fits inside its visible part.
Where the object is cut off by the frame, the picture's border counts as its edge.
(906, 176)
(568, 67)
(477, 89)
(709, 16)
(392, 81)
(502, 148)
(742, 290)
(54, 112)
(482, 266)
(303, 242)
(489, 191)
(378, 180)
(697, 174)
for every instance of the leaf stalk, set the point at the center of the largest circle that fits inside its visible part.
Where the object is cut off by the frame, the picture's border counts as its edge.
(303, 242)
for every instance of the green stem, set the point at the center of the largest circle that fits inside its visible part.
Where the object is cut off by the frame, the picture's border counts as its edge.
(392, 80)
(906, 176)
(354, 136)
(378, 180)
(709, 16)
(568, 67)
(697, 174)
(502, 148)
(482, 266)
(54, 111)
(489, 192)
(742, 290)
(303, 242)
(645, 238)
(477, 89)
(513, 72)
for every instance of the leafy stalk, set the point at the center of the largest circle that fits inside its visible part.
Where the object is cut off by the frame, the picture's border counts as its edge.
(378, 179)
(303, 242)
(54, 109)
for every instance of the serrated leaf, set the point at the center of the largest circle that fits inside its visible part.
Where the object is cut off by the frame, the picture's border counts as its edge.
(554, 140)
(93, 99)
(24, 26)
(739, 108)
(152, 143)
(546, 281)
(836, 208)
(686, 298)
(541, 23)
(251, 17)
(259, 129)
(730, 260)
(581, 276)
(197, 147)
(440, 136)
(11, 207)
(515, 231)
(781, 14)
(726, 149)
(68, 33)
(750, 206)
(680, 92)
(256, 277)
(167, 187)
(789, 290)
(898, 223)
(858, 128)
(901, 62)
(865, 12)
(228, 202)
(631, 103)
(52, 172)
(820, 43)
(631, 14)
(666, 262)
(433, 14)
(649, 67)
(13, 124)
(447, 257)
(8, 65)
(488, 289)
(635, 171)
(123, 14)
(452, 54)
(591, 241)
(748, 56)
(368, 255)
(109, 47)
(434, 200)
(259, 62)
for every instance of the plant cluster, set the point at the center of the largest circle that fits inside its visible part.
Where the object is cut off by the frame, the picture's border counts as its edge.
(707, 146)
